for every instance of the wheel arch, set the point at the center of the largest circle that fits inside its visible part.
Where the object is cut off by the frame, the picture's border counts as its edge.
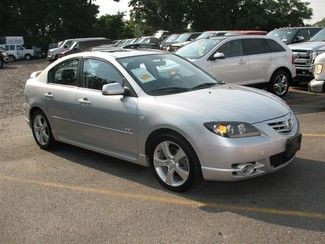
(283, 68)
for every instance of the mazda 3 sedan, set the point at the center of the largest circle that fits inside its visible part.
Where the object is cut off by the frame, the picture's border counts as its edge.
(159, 110)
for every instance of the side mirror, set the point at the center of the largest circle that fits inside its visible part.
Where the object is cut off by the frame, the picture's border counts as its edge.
(217, 55)
(113, 89)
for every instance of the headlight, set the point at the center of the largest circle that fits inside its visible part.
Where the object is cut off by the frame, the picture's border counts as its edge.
(318, 69)
(232, 129)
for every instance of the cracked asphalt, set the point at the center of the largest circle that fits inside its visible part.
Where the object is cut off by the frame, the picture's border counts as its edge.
(72, 195)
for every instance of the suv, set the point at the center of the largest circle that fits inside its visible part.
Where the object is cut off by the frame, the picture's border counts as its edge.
(244, 60)
(16, 52)
(290, 35)
(183, 40)
(65, 45)
(306, 53)
(84, 45)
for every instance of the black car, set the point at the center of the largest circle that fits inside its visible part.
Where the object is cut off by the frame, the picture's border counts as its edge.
(290, 35)
(141, 46)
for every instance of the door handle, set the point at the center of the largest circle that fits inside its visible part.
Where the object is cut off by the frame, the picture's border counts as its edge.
(48, 95)
(241, 61)
(84, 101)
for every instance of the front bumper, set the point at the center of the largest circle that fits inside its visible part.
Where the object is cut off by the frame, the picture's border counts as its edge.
(317, 85)
(221, 158)
(304, 71)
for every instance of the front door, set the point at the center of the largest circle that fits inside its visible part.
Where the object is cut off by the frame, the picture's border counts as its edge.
(234, 68)
(106, 122)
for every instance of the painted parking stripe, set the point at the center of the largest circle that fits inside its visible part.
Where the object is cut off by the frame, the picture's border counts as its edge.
(314, 135)
(169, 200)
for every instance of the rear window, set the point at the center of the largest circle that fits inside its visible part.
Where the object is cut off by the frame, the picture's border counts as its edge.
(274, 46)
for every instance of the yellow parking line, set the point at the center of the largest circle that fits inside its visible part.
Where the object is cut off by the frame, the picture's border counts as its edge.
(314, 135)
(170, 200)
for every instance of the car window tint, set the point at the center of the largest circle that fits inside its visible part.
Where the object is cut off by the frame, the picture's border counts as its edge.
(97, 73)
(304, 33)
(65, 73)
(314, 31)
(19, 48)
(7, 47)
(12, 47)
(232, 49)
(253, 46)
(274, 46)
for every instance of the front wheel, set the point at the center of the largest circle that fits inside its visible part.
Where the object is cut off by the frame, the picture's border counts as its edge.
(174, 162)
(42, 131)
(12, 58)
(279, 83)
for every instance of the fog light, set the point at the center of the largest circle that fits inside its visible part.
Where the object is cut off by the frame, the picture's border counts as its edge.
(246, 169)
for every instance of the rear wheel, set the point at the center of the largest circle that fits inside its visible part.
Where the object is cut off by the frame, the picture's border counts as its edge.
(279, 83)
(28, 57)
(41, 130)
(174, 162)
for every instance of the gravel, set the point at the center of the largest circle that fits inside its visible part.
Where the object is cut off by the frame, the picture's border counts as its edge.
(12, 82)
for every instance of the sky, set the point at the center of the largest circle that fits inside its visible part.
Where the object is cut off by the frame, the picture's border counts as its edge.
(112, 7)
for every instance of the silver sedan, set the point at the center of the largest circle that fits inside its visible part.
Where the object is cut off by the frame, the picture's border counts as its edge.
(159, 110)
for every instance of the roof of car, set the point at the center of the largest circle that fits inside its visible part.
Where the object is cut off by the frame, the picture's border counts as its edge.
(118, 53)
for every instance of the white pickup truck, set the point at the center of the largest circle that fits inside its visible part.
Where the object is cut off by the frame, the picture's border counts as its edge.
(16, 52)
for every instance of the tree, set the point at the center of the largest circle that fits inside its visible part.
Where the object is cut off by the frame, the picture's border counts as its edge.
(159, 14)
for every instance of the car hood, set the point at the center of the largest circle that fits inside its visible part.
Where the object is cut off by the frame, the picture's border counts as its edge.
(229, 103)
(307, 46)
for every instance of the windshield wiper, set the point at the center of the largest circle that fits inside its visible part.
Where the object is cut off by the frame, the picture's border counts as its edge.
(204, 85)
(170, 89)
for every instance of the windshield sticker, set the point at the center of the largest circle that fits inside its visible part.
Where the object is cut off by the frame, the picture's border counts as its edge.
(143, 75)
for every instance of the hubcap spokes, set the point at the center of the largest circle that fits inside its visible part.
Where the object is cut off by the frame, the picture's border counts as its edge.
(280, 84)
(41, 130)
(171, 163)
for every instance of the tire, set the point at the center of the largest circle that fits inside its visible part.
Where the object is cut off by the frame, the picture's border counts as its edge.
(28, 57)
(12, 58)
(1, 63)
(178, 171)
(42, 130)
(279, 83)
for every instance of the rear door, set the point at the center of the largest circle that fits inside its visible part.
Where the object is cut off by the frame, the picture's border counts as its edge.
(59, 95)
(234, 67)
(259, 58)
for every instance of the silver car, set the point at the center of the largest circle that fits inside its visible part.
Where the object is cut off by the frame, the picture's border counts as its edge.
(159, 110)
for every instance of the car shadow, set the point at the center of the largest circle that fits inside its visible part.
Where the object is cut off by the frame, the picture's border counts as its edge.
(298, 187)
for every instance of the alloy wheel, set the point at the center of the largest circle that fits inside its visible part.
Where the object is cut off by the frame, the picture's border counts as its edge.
(41, 130)
(171, 163)
(281, 84)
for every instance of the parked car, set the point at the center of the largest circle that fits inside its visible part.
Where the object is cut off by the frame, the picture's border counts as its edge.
(159, 110)
(306, 53)
(247, 32)
(318, 84)
(183, 40)
(290, 35)
(160, 34)
(16, 52)
(84, 45)
(165, 44)
(209, 34)
(244, 60)
(141, 46)
(53, 54)
(3, 57)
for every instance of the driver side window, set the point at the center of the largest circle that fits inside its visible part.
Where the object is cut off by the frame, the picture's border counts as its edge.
(97, 73)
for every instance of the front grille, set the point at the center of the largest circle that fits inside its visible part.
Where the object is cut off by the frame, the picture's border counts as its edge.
(303, 58)
(282, 126)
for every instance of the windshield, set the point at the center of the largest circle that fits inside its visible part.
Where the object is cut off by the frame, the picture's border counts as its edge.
(67, 43)
(183, 37)
(171, 38)
(198, 48)
(319, 37)
(284, 35)
(163, 74)
(206, 35)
